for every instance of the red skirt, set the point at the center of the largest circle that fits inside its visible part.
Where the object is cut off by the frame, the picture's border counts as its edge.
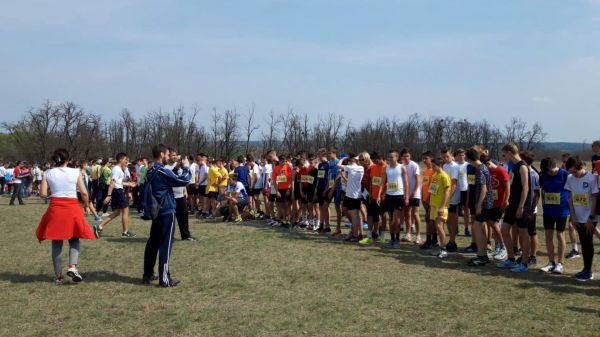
(64, 220)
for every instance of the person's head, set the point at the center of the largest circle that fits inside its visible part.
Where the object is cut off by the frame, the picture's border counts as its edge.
(446, 155)
(427, 157)
(332, 153)
(510, 151)
(272, 156)
(240, 160)
(548, 165)
(351, 159)
(364, 158)
(472, 155)
(250, 159)
(528, 157)
(282, 160)
(485, 160)
(233, 178)
(436, 164)
(121, 158)
(160, 153)
(60, 157)
(219, 163)
(459, 156)
(322, 154)
(405, 155)
(575, 165)
(173, 156)
(596, 147)
(200, 159)
(84, 165)
(393, 156)
(565, 156)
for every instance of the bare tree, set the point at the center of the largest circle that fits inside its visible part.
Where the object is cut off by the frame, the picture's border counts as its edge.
(251, 126)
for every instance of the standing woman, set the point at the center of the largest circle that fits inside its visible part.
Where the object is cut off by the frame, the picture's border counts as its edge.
(64, 218)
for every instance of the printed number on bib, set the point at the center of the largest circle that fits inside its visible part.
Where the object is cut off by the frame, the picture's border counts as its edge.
(392, 187)
(433, 189)
(552, 198)
(321, 174)
(581, 200)
(377, 181)
(471, 179)
(308, 179)
(281, 179)
(331, 183)
(495, 195)
(425, 180)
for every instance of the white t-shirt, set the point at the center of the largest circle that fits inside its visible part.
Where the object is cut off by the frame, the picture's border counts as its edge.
(267, 173)
(463, 182)
(37, 173)
(582, 191)
(178, 192)
(258, 172)
(62, 182)
(117, 175)
(355, 174)
(238, 188)
(413, 170)
(453, 170)
(394, 182)
(2, 171)
(193, 171)
(203, 175)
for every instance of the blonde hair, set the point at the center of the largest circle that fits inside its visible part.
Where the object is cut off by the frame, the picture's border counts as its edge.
(366, 157)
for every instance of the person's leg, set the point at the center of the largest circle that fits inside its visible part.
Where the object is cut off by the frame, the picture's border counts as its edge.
(587, 247)
(508, 242)
(74, 247)
(550, 244)
(167, 233)
(439, 224)
(152, 246)
(452, 223)
(479, 231)
(338, 215)
(57, 257)
(525, 241)
(562, 245)
(182, 216)
(325, 215)
(397, 215)
(110, 218)
(416, 219)
(125, 219)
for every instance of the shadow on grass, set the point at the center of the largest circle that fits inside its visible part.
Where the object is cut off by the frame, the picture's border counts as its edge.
(595, 312)
(118, 239)
(410, 254)
(92, 276)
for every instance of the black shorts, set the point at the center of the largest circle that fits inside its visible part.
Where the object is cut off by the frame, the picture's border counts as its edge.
(510, 217)
(213, 195)
(393, 203)
(463, 198)
(531, 226)
(483, 217)
(272, 197)
(310, 196)
(453, 208)
(322, 198)
(118, 199)
(284, 198)
(256, 191)
(374, 211)
(192, 189)
(554, 222)
(202, 190)
(414, 202)
(494, 214)
(297, 195)
(352, 204)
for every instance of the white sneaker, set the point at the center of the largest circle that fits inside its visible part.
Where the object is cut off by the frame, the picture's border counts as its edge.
(501, 255)
(74, 275)
(558, 269)
(105, 215)
(408, 237)
(435, 252)
(418, 240)
(442, 254)
(548, 268)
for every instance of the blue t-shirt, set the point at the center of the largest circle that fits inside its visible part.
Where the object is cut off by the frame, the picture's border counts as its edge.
(333, 171)
(242, 172)
(556, 198)
(322, 172)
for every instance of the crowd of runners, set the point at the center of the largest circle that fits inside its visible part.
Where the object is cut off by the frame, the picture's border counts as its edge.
(382, 197)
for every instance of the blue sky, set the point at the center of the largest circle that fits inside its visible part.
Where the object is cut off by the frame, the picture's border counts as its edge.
(538, 60)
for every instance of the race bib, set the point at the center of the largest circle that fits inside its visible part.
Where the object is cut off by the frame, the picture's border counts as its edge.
(471, 179)
(433, 189)
(392, 187)
(495, 195)
(425, 180)
(308, 179)
(377, 181)
(321, 174)
(552, 198)
(281, 179)
(331, 183)
(511, 177)
(581, 200)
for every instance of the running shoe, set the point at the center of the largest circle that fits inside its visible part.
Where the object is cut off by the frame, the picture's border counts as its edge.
(238, 219)
(532, 261)
(407, 238)
(58, 280)
(426, 245)
(366, 241)
(471, 249)
(97, 218)
(573, 254)
(520, 268)
(348, 225)
(442, 254)
(73, 273)
(128, 234)
(169, 284)
(549, 268)
(435, 252)
(584, 276)
(418, 241)
(451, 247)
(336, 233)
(478, 261)
(191, 238)
(381, 240)
(96, 229)
(501, 254)
(506, 264)
(490, 253)
(558, 269)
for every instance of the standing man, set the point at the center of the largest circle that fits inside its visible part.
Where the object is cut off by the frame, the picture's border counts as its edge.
(163, 227)
(411, 212)
(180, 195)
(453, 171)
(19, 174)
(395, 197)
(439, 196)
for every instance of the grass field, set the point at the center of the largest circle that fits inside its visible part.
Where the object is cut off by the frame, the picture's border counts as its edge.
(253, 280)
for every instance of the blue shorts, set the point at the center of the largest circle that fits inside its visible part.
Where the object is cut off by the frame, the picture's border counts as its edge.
(118, 199)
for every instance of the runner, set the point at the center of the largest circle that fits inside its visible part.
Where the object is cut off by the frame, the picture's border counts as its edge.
(352, 199)
(463, 186)
(192, 187)
(202, 186)
(395, 182)
(555, 200)
(439, 197)
(334, 188)
(374, 208)
(257, 185)
(237, 197)
(117, 198)
(19, 174)
(322, 197)
(431, 232)
(453, 171)
(64, 218)
(528, 157)
(518, 211)
(411, 213)
(311, 195)
(282, 176)
(501, 190)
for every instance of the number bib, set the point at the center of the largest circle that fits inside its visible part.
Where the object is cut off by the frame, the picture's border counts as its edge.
(495, 195)
(392, 187)
(376, 181)
(552, 198)
(581, 200)
(281, 179)
(433, 189)
(471, 179)
(308, 179)
(331, 183)
(425, 180)
(321, 174)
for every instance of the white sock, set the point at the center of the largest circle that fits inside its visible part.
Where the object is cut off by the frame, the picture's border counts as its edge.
(575, 246)
(370, 234)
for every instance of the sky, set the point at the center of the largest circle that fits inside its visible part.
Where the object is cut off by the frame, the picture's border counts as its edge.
(538, 60)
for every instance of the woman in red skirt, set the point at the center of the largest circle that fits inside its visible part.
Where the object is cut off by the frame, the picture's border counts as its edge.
(64, 218)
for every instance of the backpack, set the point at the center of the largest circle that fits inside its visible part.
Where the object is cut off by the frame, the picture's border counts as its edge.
(150, 206)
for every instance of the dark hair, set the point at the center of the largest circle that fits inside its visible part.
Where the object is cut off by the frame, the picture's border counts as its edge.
(484, 158)
(333, 150)
(404, 151)
(574, 162)
(547, 164)
(158, 149)
(393, 151)
(473, 154)
(249, 157)
(233, 176)
(240, 159)
(120, 156)
(446, 150)
(375, 155)
(59, 156)
(438, 161)
(427, 154)
(459, 151)
(527, 156)
(511, 148)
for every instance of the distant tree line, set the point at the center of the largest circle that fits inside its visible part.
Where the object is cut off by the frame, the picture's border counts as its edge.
(228, 133)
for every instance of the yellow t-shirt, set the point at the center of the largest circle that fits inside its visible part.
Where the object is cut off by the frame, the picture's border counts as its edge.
(439, 182)
(213, 179)
(224, 173)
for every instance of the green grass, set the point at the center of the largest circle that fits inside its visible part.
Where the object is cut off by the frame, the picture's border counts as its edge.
(252, 280)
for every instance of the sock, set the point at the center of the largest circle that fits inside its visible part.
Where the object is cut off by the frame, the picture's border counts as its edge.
(370, 234)
(575, 246)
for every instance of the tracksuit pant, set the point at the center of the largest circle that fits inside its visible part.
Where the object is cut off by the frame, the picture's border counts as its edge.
(161, 242)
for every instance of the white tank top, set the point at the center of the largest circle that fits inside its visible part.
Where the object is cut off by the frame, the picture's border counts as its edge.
(394, 184)
(62, 182)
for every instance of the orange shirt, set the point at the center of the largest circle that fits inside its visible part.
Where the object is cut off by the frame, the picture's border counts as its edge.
(376, 178)
(282, 176)
(427, 176)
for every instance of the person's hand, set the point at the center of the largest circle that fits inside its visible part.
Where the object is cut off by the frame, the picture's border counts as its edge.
(441, 212)
(378, 201)
(520, 213)
(278, 194)
(406, 200)
(185, 162)
(107, 200)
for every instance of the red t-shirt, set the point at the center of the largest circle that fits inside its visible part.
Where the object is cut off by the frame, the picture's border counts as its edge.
(499, 178)
(282, 176)
(304, 173)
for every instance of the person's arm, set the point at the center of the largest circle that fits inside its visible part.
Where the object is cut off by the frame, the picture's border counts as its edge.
(110, 189)
(173, 180)
(589, 226)
(44, 188)
(445, 200)
(524, 172)
(482, 195)
(82, 191)
(381, 195)
(406, 186)
(417, 185)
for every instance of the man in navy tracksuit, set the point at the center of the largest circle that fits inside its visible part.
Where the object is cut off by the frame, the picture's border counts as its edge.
(163, 227)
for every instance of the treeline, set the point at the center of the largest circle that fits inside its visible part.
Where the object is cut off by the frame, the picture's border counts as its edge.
(228, 133)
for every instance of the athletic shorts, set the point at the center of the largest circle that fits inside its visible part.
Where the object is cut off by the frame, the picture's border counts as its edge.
(453, 209)
(118, 199)
(192, 189)
(297, 195)
(213, 195)
(283, 197)
(495, 214)
(393, 203)
(433, 214)
(310, 196)
(463, 198)
(531, 226)
(414, 202)
(202, 190)
(256, 191)
(483, 217)
(352, 204)
(339, 196)
(510, 217)
(374, 211)
(272, 197)
(555, 222)
(322, 197)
